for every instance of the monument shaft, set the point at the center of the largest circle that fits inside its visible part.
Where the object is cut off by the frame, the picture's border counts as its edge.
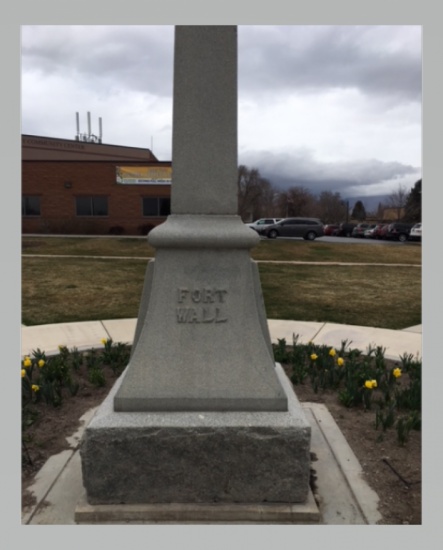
(204, 143)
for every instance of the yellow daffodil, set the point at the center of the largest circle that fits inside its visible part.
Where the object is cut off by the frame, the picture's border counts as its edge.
(314, 356)
(396, 372)
(35, 387)
(41, 363)
(332, 352)
(27, 362)
(340, 361)
(371, 384)
(374, 383)
(23, 373)
(104, 341)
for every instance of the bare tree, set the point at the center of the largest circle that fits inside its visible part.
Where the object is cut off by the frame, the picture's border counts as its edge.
(266, 202)
(330, 207)
(281, 204)
(398, 200)
(255, 194)
(300, 202)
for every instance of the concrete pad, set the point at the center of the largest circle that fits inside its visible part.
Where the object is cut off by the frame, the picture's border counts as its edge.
(121, 330)
(396, 342)
(75, 439)
(48, 480)
(287, 329)
(45, 481)
(343, 494)
(416, 328)
(306, 513)
(58, 506)
(48, 338)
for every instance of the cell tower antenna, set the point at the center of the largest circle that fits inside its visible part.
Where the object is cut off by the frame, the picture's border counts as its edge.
(89, 137)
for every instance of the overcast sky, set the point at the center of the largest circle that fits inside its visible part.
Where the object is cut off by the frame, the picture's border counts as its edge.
(330, 108)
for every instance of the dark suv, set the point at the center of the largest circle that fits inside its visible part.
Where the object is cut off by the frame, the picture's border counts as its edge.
(308, 228)
(398, 231)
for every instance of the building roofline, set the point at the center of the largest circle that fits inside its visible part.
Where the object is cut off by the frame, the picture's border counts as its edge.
(86, 142)
(36, 148)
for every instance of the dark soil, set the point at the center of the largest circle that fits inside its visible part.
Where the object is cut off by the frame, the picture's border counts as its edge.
(392, 470)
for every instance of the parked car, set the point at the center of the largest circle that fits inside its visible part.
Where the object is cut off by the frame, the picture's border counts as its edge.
(415, 234)
(307, 228)
(381, 233)
(262, 223)
(359, 230)
(398, 231)
(376, 233)
(345, 229)
(370, 232)
(330, 228)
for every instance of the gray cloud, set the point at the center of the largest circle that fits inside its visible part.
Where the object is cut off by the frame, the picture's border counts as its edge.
(376, 60)
(107, 57)
(124, 74)
(347, 178)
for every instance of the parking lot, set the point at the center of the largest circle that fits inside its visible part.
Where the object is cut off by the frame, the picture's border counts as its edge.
(352, 240)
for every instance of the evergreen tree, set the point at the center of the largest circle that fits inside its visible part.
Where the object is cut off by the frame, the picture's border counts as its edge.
(413, 204)
(359, 212)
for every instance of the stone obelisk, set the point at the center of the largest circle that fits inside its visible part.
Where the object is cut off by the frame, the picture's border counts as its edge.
(202, 340)
(202, 414)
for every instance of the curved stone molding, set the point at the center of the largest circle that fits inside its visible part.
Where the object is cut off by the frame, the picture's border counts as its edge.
(204, 231)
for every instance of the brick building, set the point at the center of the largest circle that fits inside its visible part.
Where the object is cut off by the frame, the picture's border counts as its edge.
(84, 187)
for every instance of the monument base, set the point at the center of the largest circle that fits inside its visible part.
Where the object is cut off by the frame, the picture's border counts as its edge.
(302, 514)
(197, 457)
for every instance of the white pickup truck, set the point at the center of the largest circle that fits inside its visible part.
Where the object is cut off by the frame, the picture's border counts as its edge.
(262, 223)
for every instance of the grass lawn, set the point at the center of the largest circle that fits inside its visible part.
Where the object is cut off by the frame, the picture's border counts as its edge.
(58, 289)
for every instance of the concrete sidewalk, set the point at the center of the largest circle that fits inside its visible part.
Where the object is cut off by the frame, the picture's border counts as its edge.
(89, 334)
(342, 495)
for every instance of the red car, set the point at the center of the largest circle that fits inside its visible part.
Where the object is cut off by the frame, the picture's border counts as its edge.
(371, 232)
(330, 228)
(380, 232)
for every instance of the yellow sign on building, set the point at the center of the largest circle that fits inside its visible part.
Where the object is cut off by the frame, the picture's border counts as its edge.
(144, 175)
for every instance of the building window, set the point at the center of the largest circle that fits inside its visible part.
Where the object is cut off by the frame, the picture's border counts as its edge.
(91, 206)
(156, 206)
(30, 206)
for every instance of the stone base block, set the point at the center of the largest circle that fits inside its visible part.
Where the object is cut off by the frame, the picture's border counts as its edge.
(303, 513)
(197, 457)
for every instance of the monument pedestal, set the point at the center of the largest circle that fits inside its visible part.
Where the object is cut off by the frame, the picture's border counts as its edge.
(202, 339)
(197, 457)
(201, 414)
